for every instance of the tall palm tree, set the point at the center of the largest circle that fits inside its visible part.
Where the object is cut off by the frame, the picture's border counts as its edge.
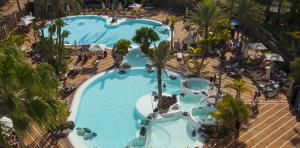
(250, 16)
(159, 57)
(60, 37)
(203, 15)
(231, 112)
(172, 21)
(239, 87)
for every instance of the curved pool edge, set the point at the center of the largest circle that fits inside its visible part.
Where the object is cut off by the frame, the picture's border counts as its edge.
(123, 20)
(75, 140)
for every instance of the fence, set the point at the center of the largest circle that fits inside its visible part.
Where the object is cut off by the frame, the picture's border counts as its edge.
(9, 23)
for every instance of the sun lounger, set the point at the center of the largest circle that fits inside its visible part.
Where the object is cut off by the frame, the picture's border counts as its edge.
(235, 65)
(237, 73)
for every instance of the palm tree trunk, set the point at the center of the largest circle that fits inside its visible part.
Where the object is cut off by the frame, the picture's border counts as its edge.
(159, 83)
(172, 37)
(206, 45)
(18, 3)
(240, 45)
(34, 35)
(220, 70)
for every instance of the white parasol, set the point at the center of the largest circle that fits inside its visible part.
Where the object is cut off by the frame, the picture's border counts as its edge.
(135, 6)
(273, 57)
(97, 47)
(257, 46)
(24, 22)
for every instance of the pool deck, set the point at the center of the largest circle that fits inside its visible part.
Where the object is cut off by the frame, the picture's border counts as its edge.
(273, 126)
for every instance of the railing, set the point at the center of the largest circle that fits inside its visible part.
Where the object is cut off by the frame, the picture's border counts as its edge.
(9, 23)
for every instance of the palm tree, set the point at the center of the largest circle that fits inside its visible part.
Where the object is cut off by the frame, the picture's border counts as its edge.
(159, 57)
(231, 112)
(239, 87)
(203, 15)
(196, 52)
(250, 15)
(26, 91)
(145, 37)
(120, 50)
(60, 37)
(172, 20)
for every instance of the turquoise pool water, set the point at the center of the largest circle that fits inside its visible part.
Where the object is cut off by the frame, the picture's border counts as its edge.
(172, 134)
(93, 29)
(190, 101)
(197, 84)
(136, 58)
(107, 107)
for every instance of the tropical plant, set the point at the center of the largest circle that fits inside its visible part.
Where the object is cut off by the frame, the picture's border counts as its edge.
(231, 112)
(122, 46)
(159, 56)
(295, 35)
(195, 53)
(28, 93)
(249, 14)
(239, 87)
(295, 69)
(17, 40)
(55, 8)
(120, 50)
(52, 48)
(203, 15)
(60, 37)
(145, 37)
(172, 21)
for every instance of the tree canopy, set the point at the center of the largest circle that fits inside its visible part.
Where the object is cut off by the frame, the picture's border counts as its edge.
(27, 93)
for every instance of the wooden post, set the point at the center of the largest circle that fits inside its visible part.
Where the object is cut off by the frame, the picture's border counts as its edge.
(15, 19)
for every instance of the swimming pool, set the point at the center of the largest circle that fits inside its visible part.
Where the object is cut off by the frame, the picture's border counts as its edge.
(88, 29)
(106, 105)
(175, 133)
